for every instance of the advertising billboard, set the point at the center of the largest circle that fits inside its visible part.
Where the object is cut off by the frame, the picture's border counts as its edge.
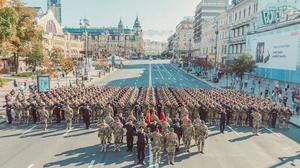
(43, 83)
(276, 49)
(276, 11)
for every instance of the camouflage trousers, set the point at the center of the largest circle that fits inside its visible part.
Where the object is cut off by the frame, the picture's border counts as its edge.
(187, 142)
(103, 142)
(255, 127)
(45, 124)
(171, 153)
(156, 154)
(69, 124)
(200, 141)
(118, 141)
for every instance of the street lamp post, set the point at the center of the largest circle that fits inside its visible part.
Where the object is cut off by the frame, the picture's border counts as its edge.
(84, 23)
(189, 53)
(216, 45)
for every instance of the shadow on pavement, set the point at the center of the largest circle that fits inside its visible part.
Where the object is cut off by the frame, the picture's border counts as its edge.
(286, 160)
(241, 138)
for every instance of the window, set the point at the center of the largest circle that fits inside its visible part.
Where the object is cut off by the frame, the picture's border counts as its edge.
(235, 16)
(240, 14)
(244, 12)
(249, 12)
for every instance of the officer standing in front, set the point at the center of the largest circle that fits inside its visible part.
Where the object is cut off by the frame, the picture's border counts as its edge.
(130, 132)
(223, 120)
(141, 145)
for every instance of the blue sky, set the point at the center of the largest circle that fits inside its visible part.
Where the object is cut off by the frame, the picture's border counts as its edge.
(153, 14)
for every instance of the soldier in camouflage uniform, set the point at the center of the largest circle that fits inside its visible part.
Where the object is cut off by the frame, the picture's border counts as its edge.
(172, 143)
(164, 125)
(188, 133)
(201, 133)
(69, 116)
(118, 132)
(103, 134)
(156, 145)
(256, 121)
(44, 114)
(109, 120)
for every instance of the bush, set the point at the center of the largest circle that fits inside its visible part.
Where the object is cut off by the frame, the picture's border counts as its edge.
(24, 74)
(3, 81)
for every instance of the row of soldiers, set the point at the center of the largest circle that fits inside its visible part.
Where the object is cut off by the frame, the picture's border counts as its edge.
(208, 104)
(165, 134)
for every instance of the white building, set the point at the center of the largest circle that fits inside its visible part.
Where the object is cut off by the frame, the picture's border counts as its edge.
(184, 37)
(154, 47)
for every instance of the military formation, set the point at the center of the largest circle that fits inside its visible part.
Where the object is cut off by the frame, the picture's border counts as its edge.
(165, 115)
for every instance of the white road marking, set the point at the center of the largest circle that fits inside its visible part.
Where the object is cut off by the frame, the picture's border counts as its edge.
(160, 73)
(27, 131)
(91, 164)
(272, 131)
(30, 166)
(150, 75)
(233, 130)
(169, 73)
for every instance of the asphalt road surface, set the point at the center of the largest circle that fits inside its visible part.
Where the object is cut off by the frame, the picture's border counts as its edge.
(27, 146)
(155, 73)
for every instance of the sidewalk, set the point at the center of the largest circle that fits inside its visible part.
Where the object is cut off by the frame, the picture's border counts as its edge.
(224, 82)
(53, 84)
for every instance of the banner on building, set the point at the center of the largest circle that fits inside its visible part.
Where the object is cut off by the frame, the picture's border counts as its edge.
(276, 11)
(277, 49)
(43, 83)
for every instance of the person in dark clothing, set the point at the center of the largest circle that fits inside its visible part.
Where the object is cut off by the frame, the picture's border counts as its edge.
(33, 112)
(249, 119)
(159, 108)
(178, 132)
(141, 145)
(228, 115)
(273, 117)
(8, 110)
(223, 120)
(137, 111)
(130, 132)
(86, 115)
(176, 119)
(56, 111)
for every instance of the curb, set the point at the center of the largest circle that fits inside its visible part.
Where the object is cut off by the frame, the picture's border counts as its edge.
(298, 126)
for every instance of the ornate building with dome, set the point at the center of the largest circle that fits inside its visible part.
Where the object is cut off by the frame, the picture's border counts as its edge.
(106, 41)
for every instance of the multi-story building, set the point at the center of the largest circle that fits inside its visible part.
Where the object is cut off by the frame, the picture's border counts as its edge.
(154, 47)
(242, 16)
(54, 37)
(184, 34)
(206, 10)
(55, 7)
(274, 44)
(105, 41)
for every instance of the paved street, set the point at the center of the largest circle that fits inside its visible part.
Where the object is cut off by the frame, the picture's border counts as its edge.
(155, 73)
(27, 146)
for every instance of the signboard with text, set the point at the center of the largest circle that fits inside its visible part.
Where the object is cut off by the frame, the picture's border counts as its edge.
(276, 49)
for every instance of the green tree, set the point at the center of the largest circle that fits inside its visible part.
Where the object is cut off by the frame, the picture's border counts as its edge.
(67, 65)
(56, 57)
(8, 22)
(244, 63)
(26, 32)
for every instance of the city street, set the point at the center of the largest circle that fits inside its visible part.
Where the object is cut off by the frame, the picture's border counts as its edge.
(155, 73)
(29, 147)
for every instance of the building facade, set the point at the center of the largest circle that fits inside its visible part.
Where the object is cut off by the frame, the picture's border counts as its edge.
(55, 7)
(205, 10)
(274, 44)
(242, 16)
(54, 37)
(106, 41)
(154, 47)
(184, 37)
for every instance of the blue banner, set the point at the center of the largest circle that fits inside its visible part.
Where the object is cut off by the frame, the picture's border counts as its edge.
(43, 83)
